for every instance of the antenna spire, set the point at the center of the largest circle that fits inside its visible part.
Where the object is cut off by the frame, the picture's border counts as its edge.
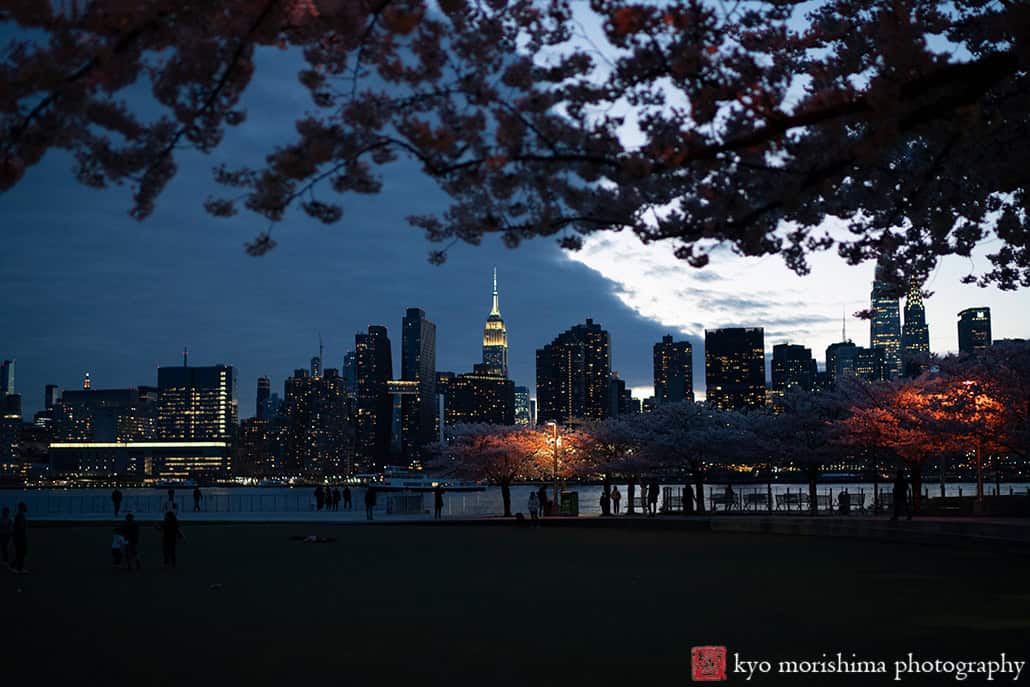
(185, 357)
(495, 308)
(843, 326)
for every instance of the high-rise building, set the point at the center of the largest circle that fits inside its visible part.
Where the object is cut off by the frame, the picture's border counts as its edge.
(735, 367)
(495, 336)
(915, 334)
(620, 398)
(871, 364)
(840, 361)
(317, 439)
(374, 368)
(418, 364)
(264, 394)
(482, 397)
(974, 329)
(572, 375)
(885, 325)
(349, 373)
(523, 415)
(259, 450)
(51, 393)
(196, 403)
(6, 377)
(673, 371)
(793, 367)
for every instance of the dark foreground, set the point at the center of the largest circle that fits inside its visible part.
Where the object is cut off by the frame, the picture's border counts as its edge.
(483, 605)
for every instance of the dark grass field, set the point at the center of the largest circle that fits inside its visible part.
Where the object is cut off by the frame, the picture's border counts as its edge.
(492, 605)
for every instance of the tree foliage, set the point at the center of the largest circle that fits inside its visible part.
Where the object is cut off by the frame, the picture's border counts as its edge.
(692, 123)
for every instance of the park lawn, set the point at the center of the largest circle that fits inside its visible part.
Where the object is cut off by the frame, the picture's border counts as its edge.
(492, 605)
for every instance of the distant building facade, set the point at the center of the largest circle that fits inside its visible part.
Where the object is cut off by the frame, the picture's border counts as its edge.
(735, 367)
(974, 329)
(572, 375)
(793, 367)
(480, 397)
(673, 371)
(418, 365)
(374, 411)
(523, 411)
(495, 336)
(885, 325)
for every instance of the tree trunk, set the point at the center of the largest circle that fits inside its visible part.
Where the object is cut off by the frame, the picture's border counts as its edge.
(506, 497)
(699, 487)
(631, 491)
(769, 496)
(917, 486)
(606, 502)
(813, 477)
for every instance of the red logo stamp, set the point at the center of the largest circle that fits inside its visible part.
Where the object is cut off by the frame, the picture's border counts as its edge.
(708, 663)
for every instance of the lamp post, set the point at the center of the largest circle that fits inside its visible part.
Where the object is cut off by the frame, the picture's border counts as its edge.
(555, 439)
(979, 455)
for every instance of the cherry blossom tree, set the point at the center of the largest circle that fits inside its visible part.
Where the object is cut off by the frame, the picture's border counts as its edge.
(612, 449)
(688, 122)
(496, 454)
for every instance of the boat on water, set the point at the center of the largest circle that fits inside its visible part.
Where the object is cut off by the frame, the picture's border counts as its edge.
(175, 484)
(400, 479)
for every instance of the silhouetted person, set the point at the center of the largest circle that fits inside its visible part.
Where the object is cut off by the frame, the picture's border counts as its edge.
(652, 498)
(170, 505)
(319, 498)
(170, 536)
(437, 502)
(541, 494)
(5, 534)
(347, 505)
(616, 499)
(116, 501)
(336, 499)
(731, 498)
(844, 502)
(900, 495)
(688, 499)
(534, 506)
(20, 535)
(370, 502)
(131, 533)
(606, 502)
(197, 496)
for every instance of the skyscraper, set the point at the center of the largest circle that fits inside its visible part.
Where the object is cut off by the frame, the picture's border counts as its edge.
(495, 337)
(374, 368)
(482, 397)
(915, 334)
(349, 373)
(264, 393)
(840, 360)
(317, 433)
(620, 398)
(735, 367)
(572, 375)
(6, 377)
(418, 364)
(50, 396)
(885, 325)
(974, 329)
(523, 415)
(673, 371)
(793, 367)
(196, 403)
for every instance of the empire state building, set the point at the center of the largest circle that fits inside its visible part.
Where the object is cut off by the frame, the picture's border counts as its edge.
(495, 337)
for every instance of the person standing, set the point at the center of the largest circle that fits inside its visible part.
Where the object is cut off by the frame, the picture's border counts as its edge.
(336, 499)
(319, 498)
(5, 534)
(197, 496)
(616, 498)
(170, 536)
(437, 501)
(170, 505)
(541, 495)
(688, 499)
(20, 535)
(116, 501)
(370, 502)
(131, 534)
(606, 501)
(900, 495)
(652, 498)
(347, 504)
(534, 506)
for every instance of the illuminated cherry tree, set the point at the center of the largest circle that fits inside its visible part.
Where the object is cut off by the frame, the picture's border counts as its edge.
(692, 123)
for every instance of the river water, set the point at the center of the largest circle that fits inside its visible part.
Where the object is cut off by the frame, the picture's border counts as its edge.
(258, 503)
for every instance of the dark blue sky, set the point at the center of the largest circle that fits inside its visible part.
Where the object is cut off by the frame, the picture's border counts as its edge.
(88, 288)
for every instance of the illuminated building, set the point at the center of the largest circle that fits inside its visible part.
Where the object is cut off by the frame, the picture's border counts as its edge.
(50, 395)
(10, 458)
(264, 394)
(495, 337)
(404, 422)
(793, 367)
(10, 406)
(481, 397)
(196, 403)
(523, 413)
(87, 383)
(374, 369)
(316, 366)
(915, 334)
(871, 364)
(259, 449)
(974, 329)
(349, 373)
(317, 437)
(885, 325)
(418, 365)
(6, 377)
(735, 367)
(673, 371)
(840, 360)
(572, 375)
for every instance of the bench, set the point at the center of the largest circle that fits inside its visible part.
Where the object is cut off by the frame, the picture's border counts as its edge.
(857, 504)
(727, 501)
(756, 500)
(791, 500)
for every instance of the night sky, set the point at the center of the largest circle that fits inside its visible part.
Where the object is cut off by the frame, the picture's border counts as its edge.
(87, 288)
